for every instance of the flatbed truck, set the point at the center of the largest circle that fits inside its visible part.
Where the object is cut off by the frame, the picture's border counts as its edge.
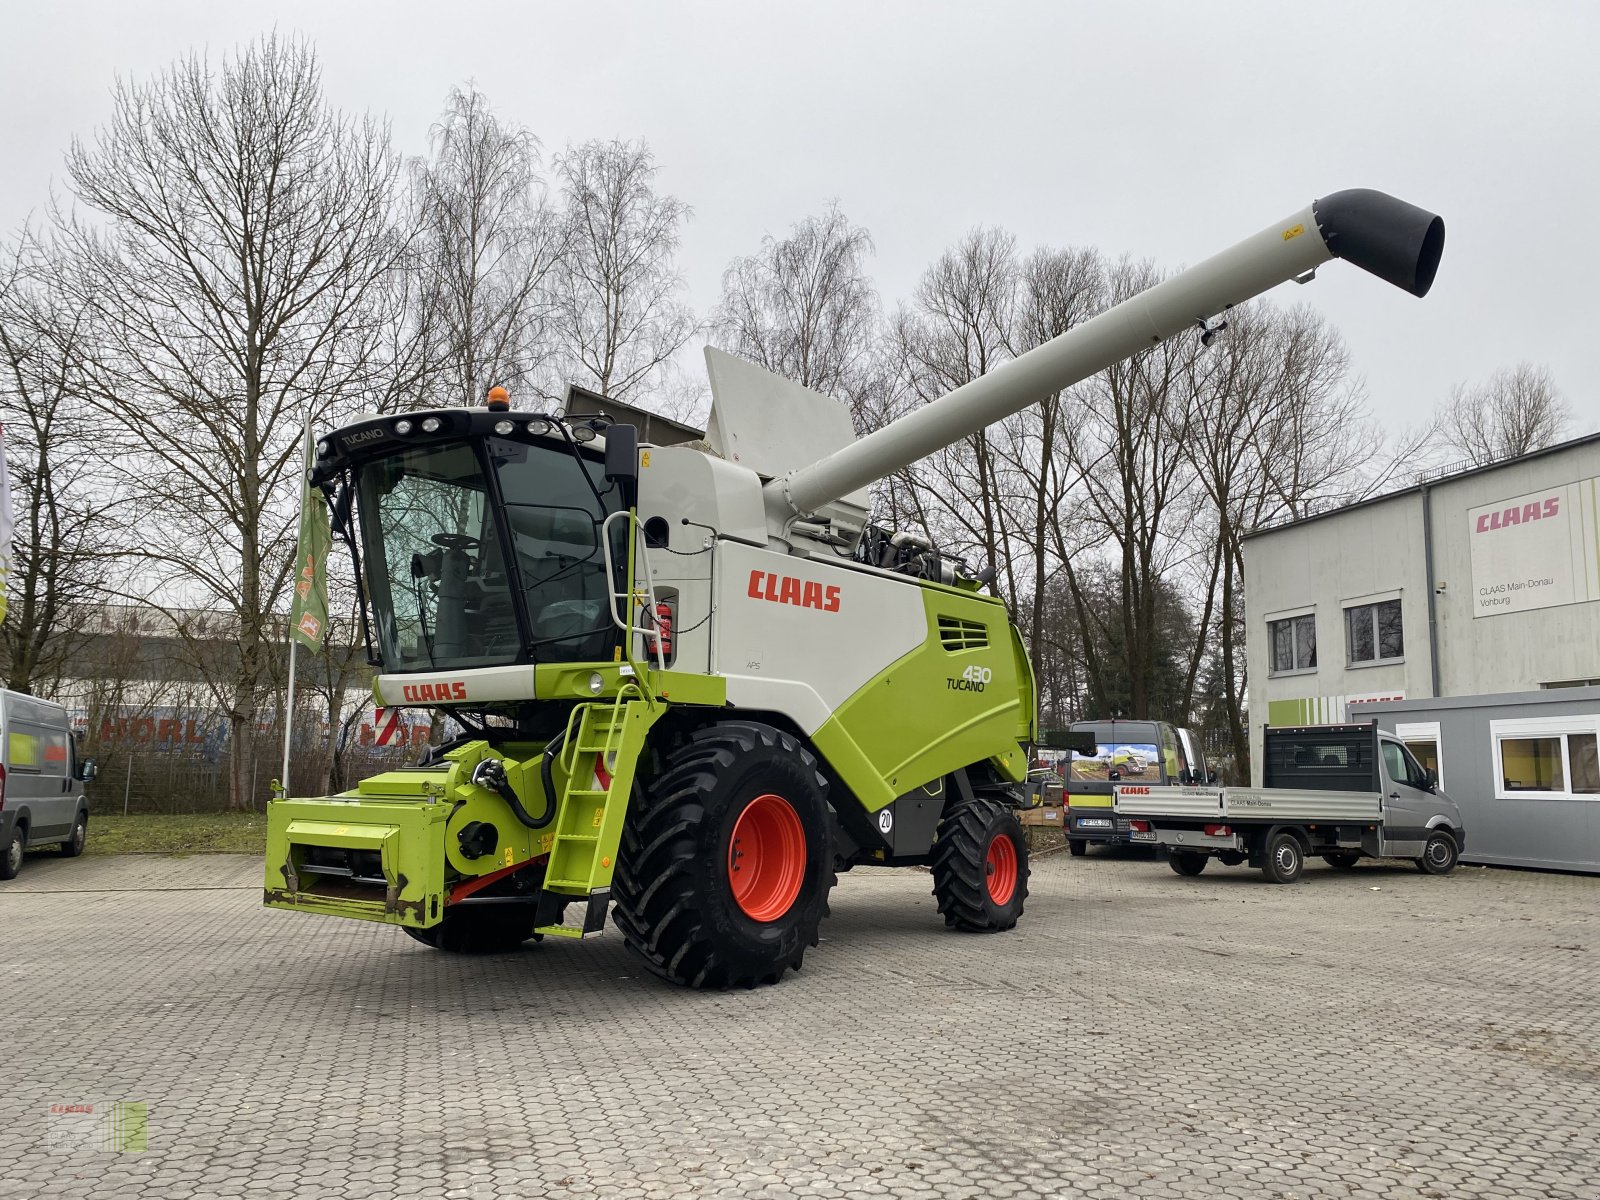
(1343, 792)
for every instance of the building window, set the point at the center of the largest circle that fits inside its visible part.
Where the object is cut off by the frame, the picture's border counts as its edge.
(1547, 757)
(1372, 633)
(1294, 643)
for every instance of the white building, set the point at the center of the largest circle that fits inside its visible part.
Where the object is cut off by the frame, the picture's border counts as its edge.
(1480, 582)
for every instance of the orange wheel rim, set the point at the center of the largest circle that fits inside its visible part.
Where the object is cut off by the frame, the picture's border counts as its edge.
(767, 858)
(1001, 869)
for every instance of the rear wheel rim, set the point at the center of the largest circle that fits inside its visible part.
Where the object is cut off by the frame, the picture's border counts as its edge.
(1000, 868)
(767, 858)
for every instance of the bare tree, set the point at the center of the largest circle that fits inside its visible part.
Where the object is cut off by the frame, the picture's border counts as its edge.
(67, 533)
(1517, 410)
(958, 327)
(617, 314)
(239, 271)
(804, 307)
(487, 244)
(1276, 427)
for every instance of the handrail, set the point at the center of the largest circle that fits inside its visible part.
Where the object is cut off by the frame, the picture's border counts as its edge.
(646, 598)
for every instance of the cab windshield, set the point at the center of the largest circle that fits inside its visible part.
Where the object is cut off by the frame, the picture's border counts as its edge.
(485, 552)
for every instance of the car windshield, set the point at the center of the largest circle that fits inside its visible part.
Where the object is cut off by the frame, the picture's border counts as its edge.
(442, 592)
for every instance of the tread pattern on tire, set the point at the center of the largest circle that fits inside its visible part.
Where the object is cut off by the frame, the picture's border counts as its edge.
(960, 866)
(660, 873)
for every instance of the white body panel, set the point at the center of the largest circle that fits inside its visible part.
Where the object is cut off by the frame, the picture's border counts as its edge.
(805, 659)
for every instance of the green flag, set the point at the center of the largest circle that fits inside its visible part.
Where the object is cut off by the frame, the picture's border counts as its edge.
(308, 615)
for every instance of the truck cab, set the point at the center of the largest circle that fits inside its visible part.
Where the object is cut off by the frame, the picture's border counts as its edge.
(1146, 752)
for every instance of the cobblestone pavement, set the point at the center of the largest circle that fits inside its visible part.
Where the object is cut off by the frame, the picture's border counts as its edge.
(1380, 1033)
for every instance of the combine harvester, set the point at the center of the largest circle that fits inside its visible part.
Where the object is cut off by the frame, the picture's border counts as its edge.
(696, 681)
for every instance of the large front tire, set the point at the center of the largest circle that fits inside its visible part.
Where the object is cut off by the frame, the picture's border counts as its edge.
(980, 866)
(726, 861)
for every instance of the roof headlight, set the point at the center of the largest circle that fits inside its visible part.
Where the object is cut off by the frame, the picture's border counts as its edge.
(538, 428)
(431, 424)
(582, 433)
(324, 448)
(402, 427)
(503, 427)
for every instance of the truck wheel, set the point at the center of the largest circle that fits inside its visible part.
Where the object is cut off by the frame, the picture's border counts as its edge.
(11, 858)
(726, 860)
(1187, 862)
(1342, 862)
(1439, 854)
(980, 866)
(1077, 847)
(74, 844)
(478, 929)
(1284, 859)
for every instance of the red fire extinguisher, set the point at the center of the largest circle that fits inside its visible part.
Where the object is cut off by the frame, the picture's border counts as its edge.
(661, 615)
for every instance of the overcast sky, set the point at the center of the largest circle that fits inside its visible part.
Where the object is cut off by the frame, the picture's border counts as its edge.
(1166, 130)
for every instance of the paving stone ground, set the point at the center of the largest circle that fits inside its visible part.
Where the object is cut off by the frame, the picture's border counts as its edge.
(1374, 1034)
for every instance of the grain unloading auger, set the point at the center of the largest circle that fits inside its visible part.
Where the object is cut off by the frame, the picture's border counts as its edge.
(695, 680)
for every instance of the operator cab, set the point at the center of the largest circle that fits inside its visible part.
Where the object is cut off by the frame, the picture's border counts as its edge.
(480, 536)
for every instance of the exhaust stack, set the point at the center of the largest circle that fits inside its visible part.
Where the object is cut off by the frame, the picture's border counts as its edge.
(1398, 242)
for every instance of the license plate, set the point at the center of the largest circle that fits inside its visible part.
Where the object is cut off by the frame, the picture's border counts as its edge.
(1142, 835)
(1094, 823)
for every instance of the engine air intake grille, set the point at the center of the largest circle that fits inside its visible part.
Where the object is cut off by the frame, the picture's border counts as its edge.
(957, 634)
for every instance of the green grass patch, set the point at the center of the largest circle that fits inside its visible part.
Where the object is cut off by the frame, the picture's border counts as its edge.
(199, 833)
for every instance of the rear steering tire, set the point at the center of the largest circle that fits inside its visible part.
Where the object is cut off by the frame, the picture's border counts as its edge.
(1187, 862)
(980, 866)
(1439, 854)
(726, 860)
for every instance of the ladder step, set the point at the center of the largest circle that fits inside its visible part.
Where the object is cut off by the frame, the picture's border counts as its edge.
(566, 931)
(577, 837)
(591, 792)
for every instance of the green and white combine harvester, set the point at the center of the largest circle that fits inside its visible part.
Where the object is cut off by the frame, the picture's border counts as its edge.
(696, 681)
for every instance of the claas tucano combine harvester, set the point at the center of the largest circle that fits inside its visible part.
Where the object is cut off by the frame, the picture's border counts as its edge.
(696, 682)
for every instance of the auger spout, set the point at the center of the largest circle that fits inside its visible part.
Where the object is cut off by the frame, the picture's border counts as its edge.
(1387, 237)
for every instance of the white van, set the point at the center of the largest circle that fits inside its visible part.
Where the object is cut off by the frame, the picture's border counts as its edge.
(41, 781)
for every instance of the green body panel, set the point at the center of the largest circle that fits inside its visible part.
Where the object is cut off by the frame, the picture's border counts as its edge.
(407, 835)
(964, 696)
(413, 820)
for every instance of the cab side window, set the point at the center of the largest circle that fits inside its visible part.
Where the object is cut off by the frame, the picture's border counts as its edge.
(1402, 768)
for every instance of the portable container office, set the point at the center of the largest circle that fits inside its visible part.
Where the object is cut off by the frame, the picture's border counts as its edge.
(1523, 766)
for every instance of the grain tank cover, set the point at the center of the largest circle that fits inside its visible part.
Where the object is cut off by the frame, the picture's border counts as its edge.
(774, 426)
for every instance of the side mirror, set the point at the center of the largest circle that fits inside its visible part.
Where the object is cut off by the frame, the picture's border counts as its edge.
(88, 769)
(1433, 779)
(1114, 776)
(1211, 777)
(1185, 777)
(622, 456)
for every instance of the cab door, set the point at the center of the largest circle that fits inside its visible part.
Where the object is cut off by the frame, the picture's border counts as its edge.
(1407, 800)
